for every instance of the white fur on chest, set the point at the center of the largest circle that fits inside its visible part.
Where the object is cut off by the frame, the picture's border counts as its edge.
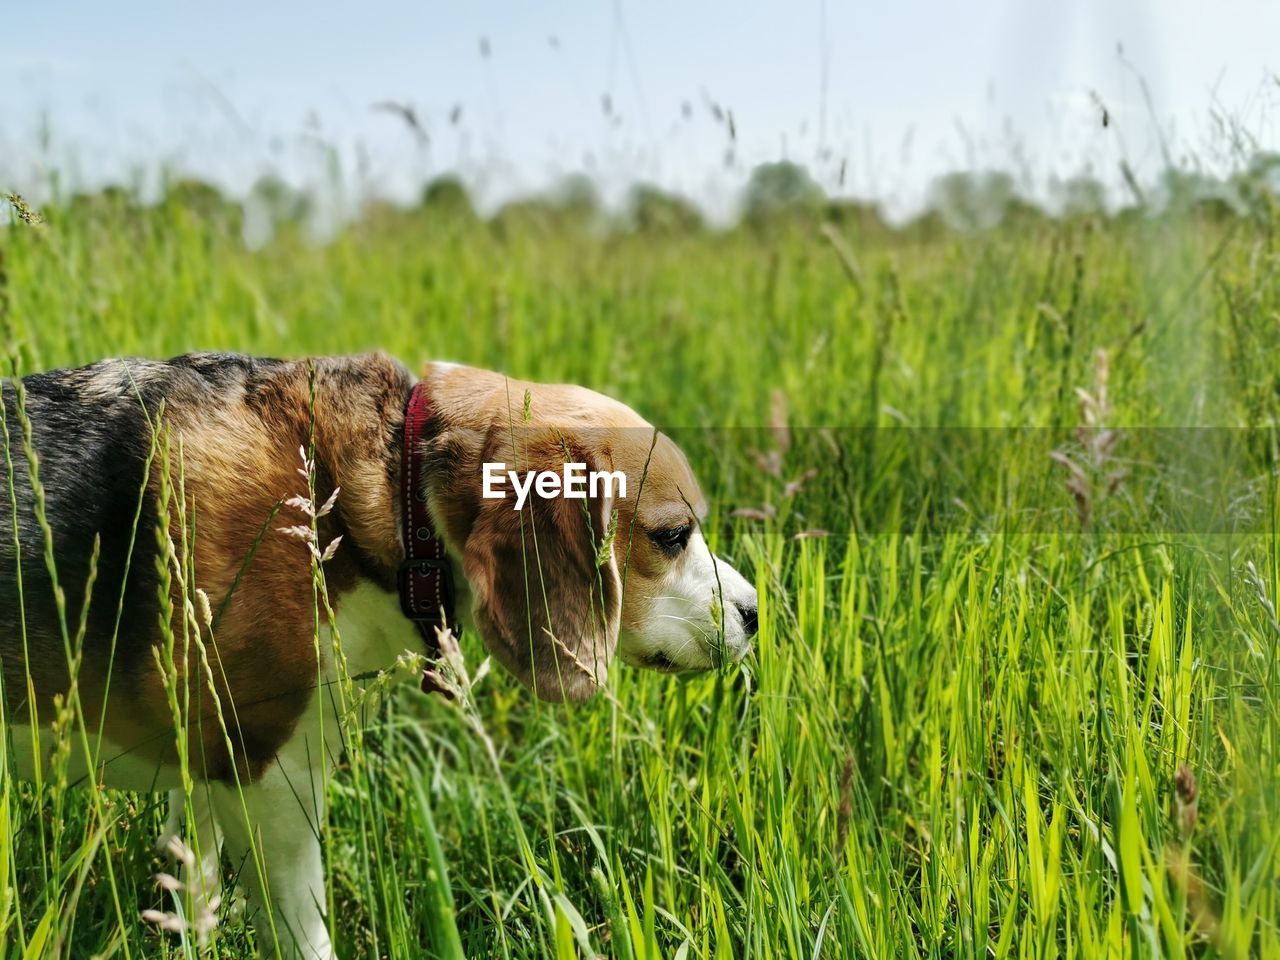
(374, 631)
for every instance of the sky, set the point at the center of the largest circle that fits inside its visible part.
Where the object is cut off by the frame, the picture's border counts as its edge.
(875, 98)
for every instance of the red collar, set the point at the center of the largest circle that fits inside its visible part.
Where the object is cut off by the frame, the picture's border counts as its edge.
(426, 577)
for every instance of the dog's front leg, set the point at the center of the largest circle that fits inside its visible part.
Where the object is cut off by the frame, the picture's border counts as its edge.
(272, 831)
(195, 850)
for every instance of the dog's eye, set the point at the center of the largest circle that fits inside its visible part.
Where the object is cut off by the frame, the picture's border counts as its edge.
(673, 539)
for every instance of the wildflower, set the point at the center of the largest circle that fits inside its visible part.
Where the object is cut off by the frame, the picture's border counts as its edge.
(305, 505)
(813, 533)
(1092, 477)
(1187, 798)
(204, 910)
(206, 611)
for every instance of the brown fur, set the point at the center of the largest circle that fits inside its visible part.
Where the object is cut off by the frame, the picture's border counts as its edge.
(237, 457)
(548, 589)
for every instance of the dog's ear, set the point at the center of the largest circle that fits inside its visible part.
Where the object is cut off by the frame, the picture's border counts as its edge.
(548, 596)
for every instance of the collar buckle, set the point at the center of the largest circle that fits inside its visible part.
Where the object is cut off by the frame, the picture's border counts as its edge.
(426, 590)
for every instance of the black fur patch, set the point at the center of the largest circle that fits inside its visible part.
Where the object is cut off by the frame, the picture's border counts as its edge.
(92, 433)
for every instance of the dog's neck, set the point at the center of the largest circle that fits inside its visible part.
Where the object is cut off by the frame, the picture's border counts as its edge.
(359, 418)
(359, 448)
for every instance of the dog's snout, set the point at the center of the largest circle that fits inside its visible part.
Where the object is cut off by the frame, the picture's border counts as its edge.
(750, 618)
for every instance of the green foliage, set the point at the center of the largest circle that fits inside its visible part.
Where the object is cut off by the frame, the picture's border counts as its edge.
(780, 190)
(972, 201)
(446, 197)
(953, 740)
(655, 211)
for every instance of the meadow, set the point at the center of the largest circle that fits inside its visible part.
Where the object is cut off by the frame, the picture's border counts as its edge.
(1009, 496)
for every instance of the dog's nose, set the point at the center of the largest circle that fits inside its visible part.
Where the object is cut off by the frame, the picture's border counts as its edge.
(750, 618)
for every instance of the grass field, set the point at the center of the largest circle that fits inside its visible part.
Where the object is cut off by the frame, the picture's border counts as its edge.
(1007, 706)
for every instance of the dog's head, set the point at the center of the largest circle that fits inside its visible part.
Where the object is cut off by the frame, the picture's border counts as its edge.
(563, 583)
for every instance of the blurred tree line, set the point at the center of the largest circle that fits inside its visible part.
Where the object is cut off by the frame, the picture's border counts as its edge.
(779, 195)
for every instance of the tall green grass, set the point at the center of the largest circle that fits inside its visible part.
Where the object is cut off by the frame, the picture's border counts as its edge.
(1032, 731)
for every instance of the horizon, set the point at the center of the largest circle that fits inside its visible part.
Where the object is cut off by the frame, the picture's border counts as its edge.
(512, 101)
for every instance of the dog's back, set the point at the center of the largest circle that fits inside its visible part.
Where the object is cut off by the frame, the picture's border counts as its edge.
(92, 432)
(230, 428)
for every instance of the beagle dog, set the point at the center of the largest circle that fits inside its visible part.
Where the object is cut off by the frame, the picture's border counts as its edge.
(212, 474)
